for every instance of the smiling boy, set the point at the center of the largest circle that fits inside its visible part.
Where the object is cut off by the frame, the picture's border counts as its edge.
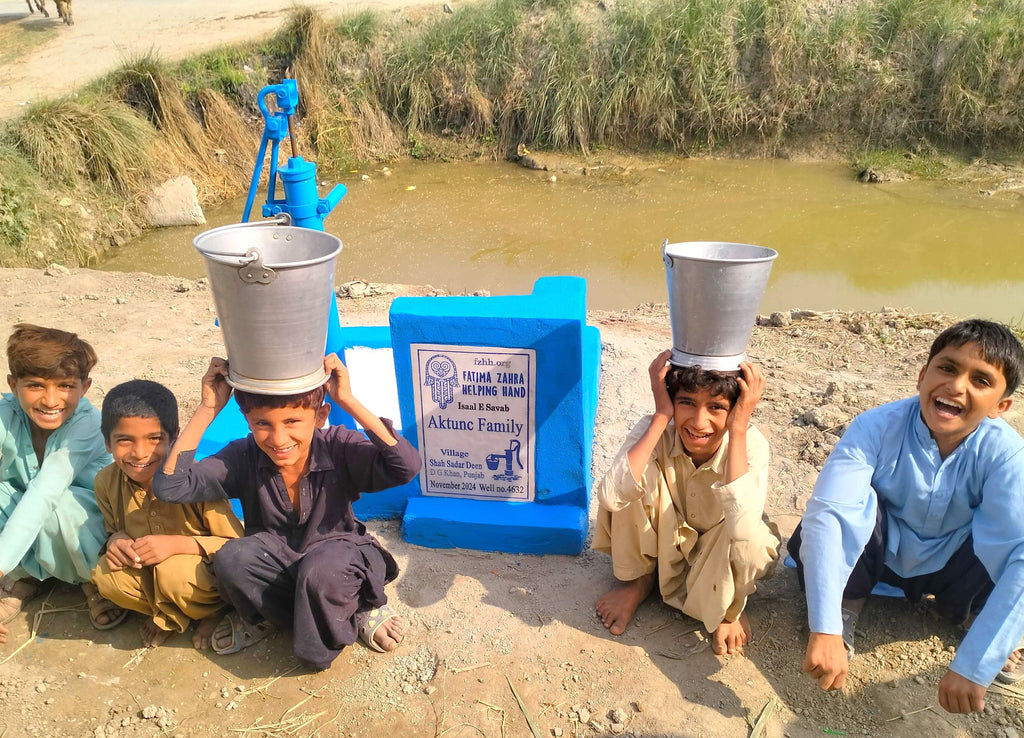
(159, 556)
(305, 561)
(50, 451)
(682, 504)
(926, 494)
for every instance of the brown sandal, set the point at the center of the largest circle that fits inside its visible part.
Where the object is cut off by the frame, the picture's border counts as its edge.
(99, 605)
(15, 594)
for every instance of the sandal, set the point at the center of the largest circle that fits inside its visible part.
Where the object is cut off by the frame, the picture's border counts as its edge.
(369, 621)
(15, 594)
(99, 605)
(243, 634)
(849, 629)
(1014, 674)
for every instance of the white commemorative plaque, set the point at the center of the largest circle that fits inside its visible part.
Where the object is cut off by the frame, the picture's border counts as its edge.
(475, 408)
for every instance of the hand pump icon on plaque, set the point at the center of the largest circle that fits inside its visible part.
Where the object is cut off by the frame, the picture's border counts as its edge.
(508, 474)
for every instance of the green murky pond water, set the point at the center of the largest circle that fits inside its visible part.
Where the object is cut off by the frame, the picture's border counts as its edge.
(496, 226)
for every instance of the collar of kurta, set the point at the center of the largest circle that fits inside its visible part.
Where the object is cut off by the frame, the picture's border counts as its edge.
(319, 454)
(716, 463)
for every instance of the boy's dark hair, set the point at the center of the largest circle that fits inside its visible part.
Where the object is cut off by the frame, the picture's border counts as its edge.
(694, 379)
(50, 353)
(996, 344)
(139, 398)
(248, 401)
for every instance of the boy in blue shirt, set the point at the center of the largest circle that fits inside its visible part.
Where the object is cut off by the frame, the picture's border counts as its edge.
(50, 451)
(926, 494)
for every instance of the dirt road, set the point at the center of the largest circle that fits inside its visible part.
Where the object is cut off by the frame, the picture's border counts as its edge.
(107, 31)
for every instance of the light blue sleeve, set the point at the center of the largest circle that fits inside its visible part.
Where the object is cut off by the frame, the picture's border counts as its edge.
(74, 453)
(998, 529)
(838, 522)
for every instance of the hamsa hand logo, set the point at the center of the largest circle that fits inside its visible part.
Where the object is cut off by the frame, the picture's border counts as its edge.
(442, 378)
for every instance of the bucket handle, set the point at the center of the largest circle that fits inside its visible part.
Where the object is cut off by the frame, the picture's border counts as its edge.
(253, 271)
(665, 255)
(281, 219)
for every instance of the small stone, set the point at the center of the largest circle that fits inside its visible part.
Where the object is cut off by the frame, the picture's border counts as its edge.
(584, 715)
(429, 689)
(919, 679)
(893, 684)
(182, 286)
(99, 732)
(638, 706)
(618, 728)
(119, 300)
(618, 715)
(779, 320)
(557, 732)
(41, 687)
(239, 688)
(149, 712)
(552, 179)
(48, 701)
(57, 270)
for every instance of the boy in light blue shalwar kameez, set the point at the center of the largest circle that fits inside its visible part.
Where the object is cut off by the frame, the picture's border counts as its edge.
(50, 450)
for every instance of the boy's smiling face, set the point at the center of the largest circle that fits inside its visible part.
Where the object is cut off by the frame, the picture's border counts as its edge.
(139, 447)
(958, 389)
(700, 419)
(48, 402)
(284, 433)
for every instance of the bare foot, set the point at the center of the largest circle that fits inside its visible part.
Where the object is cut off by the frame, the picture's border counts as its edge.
(618, 605)
(731, 637)
(203, 636)
(390, 633)
(3, 634)
(152, 634)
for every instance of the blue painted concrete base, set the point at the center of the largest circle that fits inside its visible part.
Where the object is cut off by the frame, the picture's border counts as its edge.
(487, 525)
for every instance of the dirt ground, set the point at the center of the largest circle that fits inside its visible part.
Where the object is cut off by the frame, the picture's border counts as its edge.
(486, 627)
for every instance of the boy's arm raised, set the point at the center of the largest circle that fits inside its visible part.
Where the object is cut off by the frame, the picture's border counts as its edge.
(215, 395)
(745, 485)
(178, 487)
(340, 390)
(624, 482)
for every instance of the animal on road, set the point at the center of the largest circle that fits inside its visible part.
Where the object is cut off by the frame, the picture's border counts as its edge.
(63, 9)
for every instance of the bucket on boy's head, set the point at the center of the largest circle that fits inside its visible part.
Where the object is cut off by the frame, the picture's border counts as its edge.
(272, 286)
(714, 290)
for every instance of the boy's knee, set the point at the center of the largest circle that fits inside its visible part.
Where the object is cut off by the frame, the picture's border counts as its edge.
(758, 554)
(111, 584)
(233, 557)
(175, 577)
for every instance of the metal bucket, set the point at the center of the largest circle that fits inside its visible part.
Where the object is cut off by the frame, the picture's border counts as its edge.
(272, 286)
(714, 290)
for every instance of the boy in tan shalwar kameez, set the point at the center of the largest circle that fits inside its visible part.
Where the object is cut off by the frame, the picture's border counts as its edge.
(682, 504)
(159, 555)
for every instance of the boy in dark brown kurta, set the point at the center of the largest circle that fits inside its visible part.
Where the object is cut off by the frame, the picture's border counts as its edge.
(305, 560)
